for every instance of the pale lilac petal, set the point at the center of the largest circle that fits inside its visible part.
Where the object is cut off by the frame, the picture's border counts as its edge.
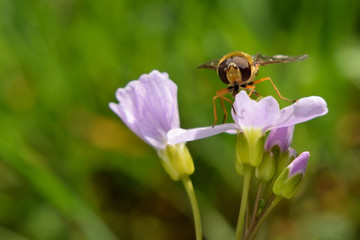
(127, 109)
(232, 131)
(281, 137)
(301, 111)
(149, 107)
(158, 97)
(250, 113)
(179, 135)
(298, 165)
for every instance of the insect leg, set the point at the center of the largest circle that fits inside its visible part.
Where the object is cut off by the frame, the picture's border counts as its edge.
(232, 104)
(256, 93)
(252, 89)
(219, 94)
(223, 107)
(277, 91)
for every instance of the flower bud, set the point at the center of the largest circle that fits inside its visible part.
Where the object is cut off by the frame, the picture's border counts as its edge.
(177, 161)
(281, 137)
(266, 170)
(250, 147)
(289, 180)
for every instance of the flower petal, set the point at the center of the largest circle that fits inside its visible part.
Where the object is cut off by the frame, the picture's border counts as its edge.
(179, 135)
(250, 113)
(126, 109)
(281, 137)
(298, 165)
(158, 98)
(149, 107)
(301, 111)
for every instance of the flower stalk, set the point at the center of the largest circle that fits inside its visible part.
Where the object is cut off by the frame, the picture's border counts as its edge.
(243, 205)
(265, 213)
(194, 205)
(256, 206)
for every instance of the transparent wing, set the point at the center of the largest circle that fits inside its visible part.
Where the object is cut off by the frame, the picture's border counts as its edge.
(266, 60)
(210, 65)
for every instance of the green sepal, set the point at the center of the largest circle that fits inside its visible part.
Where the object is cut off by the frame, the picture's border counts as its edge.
(266, 170)
(282, 161)
(177, 161)
(250, 147)
(276, 151)
(287, 187)
(239, 167)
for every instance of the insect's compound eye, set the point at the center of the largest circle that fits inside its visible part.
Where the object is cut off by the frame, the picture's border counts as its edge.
(244, 67)
(240, 62)
(221, 70)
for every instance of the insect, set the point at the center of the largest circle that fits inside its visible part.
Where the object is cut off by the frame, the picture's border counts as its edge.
(238, 70)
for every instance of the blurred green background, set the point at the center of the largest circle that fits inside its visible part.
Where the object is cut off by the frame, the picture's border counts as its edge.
(70, 169)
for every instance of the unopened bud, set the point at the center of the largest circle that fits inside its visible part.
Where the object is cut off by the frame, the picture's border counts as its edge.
(289, 180)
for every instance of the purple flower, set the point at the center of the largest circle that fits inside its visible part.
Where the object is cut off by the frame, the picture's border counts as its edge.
(263, 115)
(148, 106)
(281, 137)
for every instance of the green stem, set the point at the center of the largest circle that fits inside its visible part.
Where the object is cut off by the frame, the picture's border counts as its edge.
(247, 220)
(194, 205)
(263, 216)
(256, 205)
(244, 198)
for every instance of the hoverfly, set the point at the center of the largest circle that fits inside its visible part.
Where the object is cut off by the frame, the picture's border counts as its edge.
(238, 70)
